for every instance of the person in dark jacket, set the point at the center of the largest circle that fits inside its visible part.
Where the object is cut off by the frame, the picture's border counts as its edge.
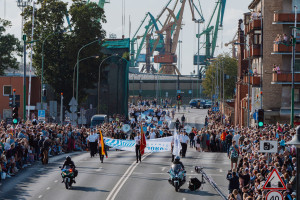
(70, 163)
(245, 176)
(233, 181)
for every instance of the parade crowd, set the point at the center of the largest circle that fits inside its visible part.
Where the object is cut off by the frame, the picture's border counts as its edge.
(250, 169)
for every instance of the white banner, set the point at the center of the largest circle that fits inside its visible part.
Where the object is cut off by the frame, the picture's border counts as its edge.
(155, 145)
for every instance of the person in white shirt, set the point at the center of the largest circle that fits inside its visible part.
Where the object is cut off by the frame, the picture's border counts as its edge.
(184, 141)
(137, 148)
(92, 142)
(152, 134)
(236, 137)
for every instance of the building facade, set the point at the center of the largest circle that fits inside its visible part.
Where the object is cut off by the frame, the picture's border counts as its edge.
(268, 50)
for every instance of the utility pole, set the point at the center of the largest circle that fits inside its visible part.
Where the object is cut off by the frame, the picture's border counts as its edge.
(24, 79)
(61, 107)
(198, 56)
(293, 68)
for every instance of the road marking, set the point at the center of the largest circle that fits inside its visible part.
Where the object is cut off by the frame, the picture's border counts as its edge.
(163, 168)
(40, 196)
(184, 198)
(55, 181)
(48, 188)
(221, 170)
(112, 195)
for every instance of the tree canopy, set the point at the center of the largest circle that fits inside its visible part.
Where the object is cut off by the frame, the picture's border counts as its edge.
(230, 67)
(9, 48)
(61, 45)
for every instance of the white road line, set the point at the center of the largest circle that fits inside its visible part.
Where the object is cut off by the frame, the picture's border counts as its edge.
(163, 168)
(221, 170)
(55, 181)
(112, 195)
(48, 188)
(40, 196)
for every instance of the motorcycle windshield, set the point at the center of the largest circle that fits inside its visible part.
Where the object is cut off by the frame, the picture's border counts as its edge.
(176, 168)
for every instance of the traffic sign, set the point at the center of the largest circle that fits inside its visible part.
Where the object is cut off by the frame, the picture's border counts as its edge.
(255, 116)
(274, 195)
(41, 115)
(215, 109)
(274, 182)
(268, 146)
(178, 91)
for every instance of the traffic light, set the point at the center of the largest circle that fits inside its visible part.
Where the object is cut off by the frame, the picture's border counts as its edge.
(260, 118)
(15, 115)
(178, 97)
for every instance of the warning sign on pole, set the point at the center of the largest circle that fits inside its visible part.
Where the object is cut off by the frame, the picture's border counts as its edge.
(274, 182)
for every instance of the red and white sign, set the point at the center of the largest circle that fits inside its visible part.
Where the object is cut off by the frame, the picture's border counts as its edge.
(274, 195)
(274, 182)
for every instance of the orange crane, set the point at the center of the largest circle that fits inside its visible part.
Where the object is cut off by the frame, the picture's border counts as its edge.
(168, 58)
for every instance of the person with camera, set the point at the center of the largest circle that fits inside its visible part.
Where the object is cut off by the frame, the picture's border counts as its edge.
(233, 181)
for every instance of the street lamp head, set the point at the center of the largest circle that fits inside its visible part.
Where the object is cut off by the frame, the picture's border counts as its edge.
(296, 139)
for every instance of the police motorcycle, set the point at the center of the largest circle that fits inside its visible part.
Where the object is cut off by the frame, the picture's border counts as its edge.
(177, 176)
(67, 173)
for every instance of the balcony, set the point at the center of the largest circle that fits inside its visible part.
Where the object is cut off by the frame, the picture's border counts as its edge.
(284, 49)
(285, 18)
(285, 78)
(254, 51)
(254, 80)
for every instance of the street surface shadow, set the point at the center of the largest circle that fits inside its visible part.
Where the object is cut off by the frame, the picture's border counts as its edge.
(87, 189)
(197, 192)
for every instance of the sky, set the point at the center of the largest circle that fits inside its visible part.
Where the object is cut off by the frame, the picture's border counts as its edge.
(137, 9)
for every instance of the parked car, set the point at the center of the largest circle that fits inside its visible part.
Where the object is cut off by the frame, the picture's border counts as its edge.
(207, 104)
(194, 103)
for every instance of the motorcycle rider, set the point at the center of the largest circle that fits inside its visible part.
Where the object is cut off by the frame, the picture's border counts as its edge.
(178, 162)
(70, 163)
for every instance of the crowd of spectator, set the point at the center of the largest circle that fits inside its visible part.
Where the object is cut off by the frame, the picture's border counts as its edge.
(250, 169)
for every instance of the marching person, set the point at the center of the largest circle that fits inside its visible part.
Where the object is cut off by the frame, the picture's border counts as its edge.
(137, 148)
(100, 148)
(92, 142)
(184, 143)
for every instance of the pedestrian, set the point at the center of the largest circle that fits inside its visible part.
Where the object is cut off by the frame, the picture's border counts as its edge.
(233, 181)
(177, 123)
(184, 142)
(182, 120)
(92, 142)
(234, 154)
(192, 141)
(228, 141)
(137, 148)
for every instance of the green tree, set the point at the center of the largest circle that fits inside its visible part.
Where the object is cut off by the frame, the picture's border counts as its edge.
(230, 66)
(9, 48)
(61, 48)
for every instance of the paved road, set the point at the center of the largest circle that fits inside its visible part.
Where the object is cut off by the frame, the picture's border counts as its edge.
(119, 177)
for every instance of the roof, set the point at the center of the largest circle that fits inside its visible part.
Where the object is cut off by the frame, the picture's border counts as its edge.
(253, 4)
(143, 76)
(117, 43)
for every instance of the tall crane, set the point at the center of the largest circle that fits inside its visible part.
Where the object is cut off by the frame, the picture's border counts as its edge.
(234, 40)
(100, 3)
(211, 32)
(168, 58)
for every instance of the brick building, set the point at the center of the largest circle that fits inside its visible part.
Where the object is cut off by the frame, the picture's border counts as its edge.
(7, 84)
(268, 89)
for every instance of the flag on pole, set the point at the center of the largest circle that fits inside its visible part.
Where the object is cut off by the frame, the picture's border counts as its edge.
(143, 141)
(177, 145)
(102, 143)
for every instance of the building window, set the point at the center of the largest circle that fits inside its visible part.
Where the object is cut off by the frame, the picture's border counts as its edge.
(257, 39)
(7, 90)
(297, 95)
(297, 65)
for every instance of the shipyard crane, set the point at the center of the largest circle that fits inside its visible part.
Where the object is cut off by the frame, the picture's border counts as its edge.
(234, 40)
(168, 58)
(211, 32)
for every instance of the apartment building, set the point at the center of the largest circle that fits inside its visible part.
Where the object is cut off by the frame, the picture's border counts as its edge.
(270, 87)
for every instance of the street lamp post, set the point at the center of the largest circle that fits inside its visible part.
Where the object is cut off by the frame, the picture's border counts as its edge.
(293, 70)
(114, 55)
(296, 142)
(74, 71)
(42, 74)
(78, 66)
(249, 67)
